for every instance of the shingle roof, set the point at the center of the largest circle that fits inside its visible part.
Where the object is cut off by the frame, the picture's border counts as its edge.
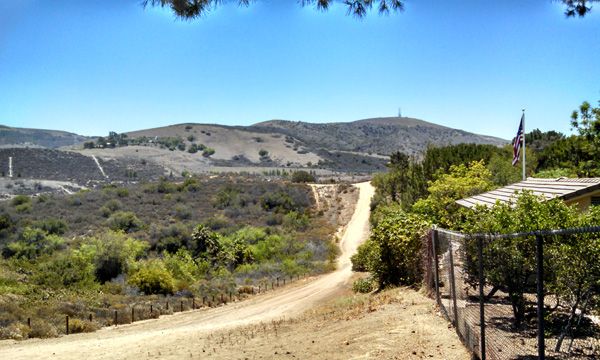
(564, 188)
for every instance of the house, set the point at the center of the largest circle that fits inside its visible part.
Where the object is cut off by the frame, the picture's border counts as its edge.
(582, 192)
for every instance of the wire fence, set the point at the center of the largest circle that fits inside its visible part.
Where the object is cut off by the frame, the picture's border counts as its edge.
(79, 318)
(519, 296)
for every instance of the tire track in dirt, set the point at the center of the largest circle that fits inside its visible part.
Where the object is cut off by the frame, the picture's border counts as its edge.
(152, 336)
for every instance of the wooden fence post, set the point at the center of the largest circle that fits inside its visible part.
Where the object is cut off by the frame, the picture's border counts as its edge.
(67, 323)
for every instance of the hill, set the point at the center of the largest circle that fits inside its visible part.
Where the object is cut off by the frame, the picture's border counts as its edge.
(376, 136)
(354, 147)
(11, 137)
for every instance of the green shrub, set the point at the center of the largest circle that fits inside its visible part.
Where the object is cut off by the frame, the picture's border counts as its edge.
(110, 207)
(153, 278)
(112, 254)
(363, 286)
(278, 201)
(208, 152)
(183, 268)
(295, 221)
(302, 176)
(23, 208)
(52, 226)
(396, 247)
(66, 270)
(20, 200)
(263, 153)
(363, 257)
(33, 243)
(122, 192)
(182, 212)
(124, 221)
(216, 222)
(166, 187)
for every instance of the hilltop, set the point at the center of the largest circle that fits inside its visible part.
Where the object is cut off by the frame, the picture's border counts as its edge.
(19, 137)
(376, 135)
(358, 147)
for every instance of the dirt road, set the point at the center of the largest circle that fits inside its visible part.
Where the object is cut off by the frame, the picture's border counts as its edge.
(153, 336)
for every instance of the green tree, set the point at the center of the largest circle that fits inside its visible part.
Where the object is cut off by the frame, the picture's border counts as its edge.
(124, 221)
(461, 181)
(510, 263)
(392, 254)
(302, 176)
(189, 9)
(587, 122)
(152, 277)
(112, 253)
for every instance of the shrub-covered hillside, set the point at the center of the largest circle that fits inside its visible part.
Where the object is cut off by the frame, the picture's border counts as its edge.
(110, 248)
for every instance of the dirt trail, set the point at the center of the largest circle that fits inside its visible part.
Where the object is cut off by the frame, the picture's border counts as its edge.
(152, 336)
(99, 167)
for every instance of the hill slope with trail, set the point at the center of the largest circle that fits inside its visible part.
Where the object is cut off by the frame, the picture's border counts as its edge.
(131, 341)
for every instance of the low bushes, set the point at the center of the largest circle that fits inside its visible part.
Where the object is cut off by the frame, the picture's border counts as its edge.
(124, 221)
(393, 252)
(153, 278)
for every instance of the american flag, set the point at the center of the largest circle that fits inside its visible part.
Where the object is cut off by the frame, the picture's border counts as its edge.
(517, 141)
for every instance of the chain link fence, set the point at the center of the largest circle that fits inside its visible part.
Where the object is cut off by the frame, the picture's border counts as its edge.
(519, 296)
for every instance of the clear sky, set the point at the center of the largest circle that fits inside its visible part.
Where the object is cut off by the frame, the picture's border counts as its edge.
(95, 66)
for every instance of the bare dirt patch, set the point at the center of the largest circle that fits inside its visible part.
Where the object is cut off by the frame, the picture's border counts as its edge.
(394, 324)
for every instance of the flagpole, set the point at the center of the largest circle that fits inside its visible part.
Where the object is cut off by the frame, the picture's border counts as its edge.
(524, 175)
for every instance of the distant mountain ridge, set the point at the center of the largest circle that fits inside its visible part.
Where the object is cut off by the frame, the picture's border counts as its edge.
(376, 135)
(361, 146)
(52, 139)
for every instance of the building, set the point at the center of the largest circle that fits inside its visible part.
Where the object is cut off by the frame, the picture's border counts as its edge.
(581, 192)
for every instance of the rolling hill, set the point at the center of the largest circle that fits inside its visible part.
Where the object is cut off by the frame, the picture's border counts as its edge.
(377, 135)
(360, 146)
(52, 139)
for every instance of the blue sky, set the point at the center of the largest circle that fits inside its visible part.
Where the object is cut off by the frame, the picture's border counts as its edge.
(96, 66)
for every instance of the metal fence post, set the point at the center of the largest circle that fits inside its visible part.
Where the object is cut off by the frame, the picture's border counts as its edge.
(453, 285)
(540, 295)
(481, 298)
(434, 242)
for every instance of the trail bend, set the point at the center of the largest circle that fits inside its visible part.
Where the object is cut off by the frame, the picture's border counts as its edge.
(151, 336)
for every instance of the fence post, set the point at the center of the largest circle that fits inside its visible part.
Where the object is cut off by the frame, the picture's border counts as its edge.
(434, 242)
(91, 317)
(193, 303)
(181, 306)
(116, 319)
(29, 322)
(453, 285)
(132, 314)
(481, 298)
(540, 295)
(67, 323)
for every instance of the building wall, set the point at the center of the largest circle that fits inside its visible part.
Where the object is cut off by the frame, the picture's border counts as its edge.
(583, 202)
